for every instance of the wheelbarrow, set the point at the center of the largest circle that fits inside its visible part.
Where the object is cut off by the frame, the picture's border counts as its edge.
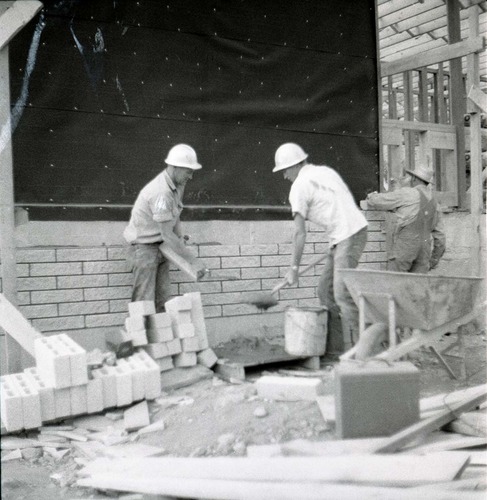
(430, 305)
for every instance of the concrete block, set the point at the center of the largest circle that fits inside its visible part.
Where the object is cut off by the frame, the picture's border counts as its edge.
(162, 334)
(138, 377)
(174, 347)
(31, 401)
(136, 417)
(138, 337)
(289, 388)
(62, 402)
(123, 378)
(46, 394)
(152, 374)
(159, 320)
(185, 359)
(109, 386)
(77, 359)
(157, 350)
(94, 396)
(135, 323)
(184, 330)
(375, 399)
(79, 399)
(178, 304)
(11, 405)
(52, 362)
(165, 364)
(207, 358)
(142, 308)
(190, 344)
(198, 319)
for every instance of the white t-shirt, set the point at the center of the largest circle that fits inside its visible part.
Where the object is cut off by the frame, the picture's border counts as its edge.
(321, 196)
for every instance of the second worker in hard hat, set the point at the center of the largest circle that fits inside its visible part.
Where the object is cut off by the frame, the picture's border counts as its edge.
(318, 194)
(155, 218)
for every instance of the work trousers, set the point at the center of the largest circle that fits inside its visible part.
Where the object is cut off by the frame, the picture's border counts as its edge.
(343, 325)
(150, 274)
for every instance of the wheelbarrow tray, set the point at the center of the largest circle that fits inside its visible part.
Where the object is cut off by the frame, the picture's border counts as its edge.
(422, 301)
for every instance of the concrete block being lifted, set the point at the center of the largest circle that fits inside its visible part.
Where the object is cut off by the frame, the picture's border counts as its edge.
(142, 308)
(289, 388)
(375, 399)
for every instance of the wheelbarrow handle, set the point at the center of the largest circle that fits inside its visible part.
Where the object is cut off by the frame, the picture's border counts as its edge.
(300, 273)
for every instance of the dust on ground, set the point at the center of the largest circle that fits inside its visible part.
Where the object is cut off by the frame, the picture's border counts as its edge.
(218, 418)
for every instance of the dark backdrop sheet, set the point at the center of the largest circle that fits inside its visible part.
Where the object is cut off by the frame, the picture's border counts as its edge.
(114, 85)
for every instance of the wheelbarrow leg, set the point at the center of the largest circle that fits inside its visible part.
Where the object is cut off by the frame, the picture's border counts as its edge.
(443, 362)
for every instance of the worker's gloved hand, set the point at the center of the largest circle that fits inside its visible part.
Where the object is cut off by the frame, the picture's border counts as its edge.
(292, 275)
(201, 271)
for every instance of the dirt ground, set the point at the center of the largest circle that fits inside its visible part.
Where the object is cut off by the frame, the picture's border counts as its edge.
(214, 417)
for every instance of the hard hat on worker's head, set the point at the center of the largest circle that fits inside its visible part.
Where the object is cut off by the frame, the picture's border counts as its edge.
(183, 155)
(288, 155)
(423, 173)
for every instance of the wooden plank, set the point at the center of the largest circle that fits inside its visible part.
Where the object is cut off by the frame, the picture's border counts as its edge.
(433, 56)
(360, 469)
(250, 490)
(19, 328)
(15, 18)
(478, 97)
(419, 126)
(423, 427)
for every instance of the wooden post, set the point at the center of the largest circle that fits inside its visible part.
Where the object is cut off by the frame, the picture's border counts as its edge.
(408, 115)
(457, 103)
(476, 201)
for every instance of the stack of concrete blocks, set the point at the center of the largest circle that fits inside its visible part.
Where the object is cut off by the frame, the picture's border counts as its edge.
(136, 323)
(177, 337)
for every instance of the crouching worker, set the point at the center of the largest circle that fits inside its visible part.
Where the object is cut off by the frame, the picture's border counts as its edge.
(155, 218)
(318, 194)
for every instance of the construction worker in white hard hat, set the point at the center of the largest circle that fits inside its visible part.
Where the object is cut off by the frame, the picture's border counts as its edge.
(155, 218)
(318, 194)
(418, 239)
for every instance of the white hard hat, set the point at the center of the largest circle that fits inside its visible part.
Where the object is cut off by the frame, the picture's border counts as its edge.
(288, 155)
(423, 173)
(183, 155)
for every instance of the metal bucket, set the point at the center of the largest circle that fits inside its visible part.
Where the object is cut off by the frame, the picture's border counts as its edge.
(305, 331)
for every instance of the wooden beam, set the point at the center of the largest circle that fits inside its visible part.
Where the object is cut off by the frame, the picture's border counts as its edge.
(478, 97)
(17, 326)
(398, 440)
(433, 56)
(415, 10)
(15, 18)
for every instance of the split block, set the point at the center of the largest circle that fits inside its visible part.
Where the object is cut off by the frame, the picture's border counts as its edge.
(138, 378)
(184, 330)
(31, 401)
(207, 357)
(11, 405)
(109, 386)
(162, 334)
(138, 338)
(46, 394)
(135, 323)
(123, 378)
(198, 319)
(159, 320)
(79, 399)
(77, 359)
(94, 396)
(289, 388)
(375, 399)
(52, 361)
(152, 374)
(190, 344)
(165, 364)
(62, 402)
(184, 359)
(156, 351)
(142, 308)
(174, 347)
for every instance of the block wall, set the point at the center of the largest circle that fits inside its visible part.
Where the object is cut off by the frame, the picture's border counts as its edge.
(62, 289)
